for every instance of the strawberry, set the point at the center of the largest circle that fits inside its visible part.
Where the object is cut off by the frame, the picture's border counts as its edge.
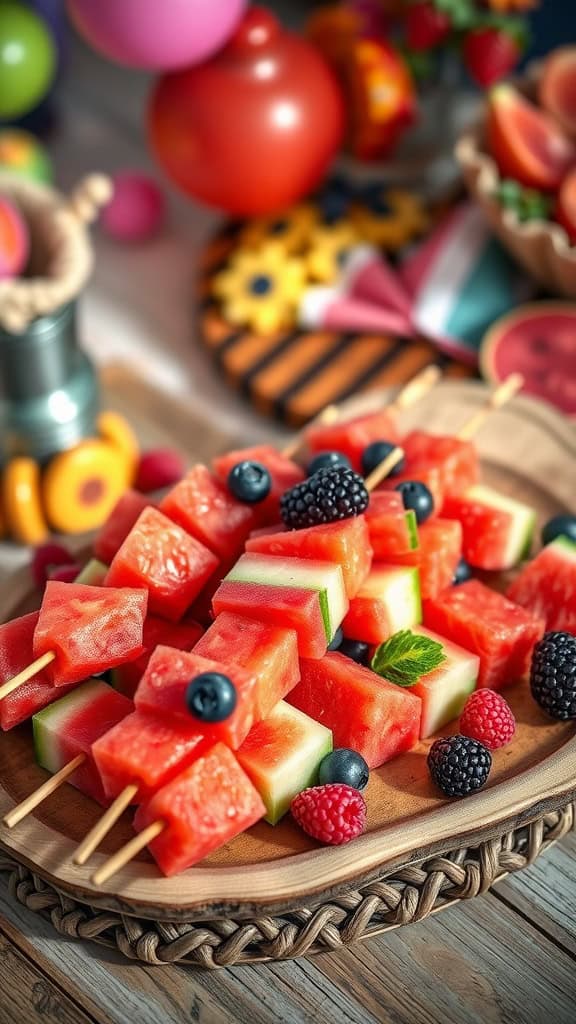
(426, 26)
(489, 54)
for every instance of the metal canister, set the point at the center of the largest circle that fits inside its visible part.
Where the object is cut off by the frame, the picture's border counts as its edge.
(48, 388)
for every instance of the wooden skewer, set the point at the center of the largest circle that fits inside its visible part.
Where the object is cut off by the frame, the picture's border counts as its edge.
(92, 841)
(26, 674)
(42, 793)
(127, 852)
(328, 415)
(496, 400)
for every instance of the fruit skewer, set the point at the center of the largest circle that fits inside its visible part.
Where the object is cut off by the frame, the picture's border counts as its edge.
(155, 828)
(82, 631)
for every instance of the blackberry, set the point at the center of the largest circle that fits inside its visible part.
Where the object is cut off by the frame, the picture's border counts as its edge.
(459, 765)
(553, 675)
(325, 497)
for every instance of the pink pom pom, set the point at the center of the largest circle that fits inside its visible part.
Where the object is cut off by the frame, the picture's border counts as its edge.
(47, 558)
(137, 208)
(158, 468)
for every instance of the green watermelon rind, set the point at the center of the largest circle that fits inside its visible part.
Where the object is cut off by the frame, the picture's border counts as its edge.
(43, 742)
(92, 574)
(412, 526)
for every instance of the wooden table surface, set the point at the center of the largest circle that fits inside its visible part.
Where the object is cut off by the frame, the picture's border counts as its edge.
(505, 957)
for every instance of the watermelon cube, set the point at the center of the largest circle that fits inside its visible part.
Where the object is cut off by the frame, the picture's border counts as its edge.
(389, 600)
(70, 727)
(162, 691)
(393, 529)
(351, 437)
(364, 711)
(485, 622)
(294, 608)
(146, 751)
(444, 691)
(281, 755)
(207, 805)
(345, 543)
(268, 652)
(180, 635)
(284, 472)
(497, 530)
(427, 473)
(16, 654)
(323, 577)
(114, 531)
(547, 585)
(203, 506)
(456, 459)
(160, 556)
(90, 629)
(437, 556)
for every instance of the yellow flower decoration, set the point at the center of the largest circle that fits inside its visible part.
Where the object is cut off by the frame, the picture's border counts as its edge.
(328, 245)
(512, 6)
(261, 289)
(391, 219)
(291, 228)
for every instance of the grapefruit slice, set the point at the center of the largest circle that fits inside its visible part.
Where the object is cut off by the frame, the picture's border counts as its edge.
(539, 341)
(525, 142)
(557, 92)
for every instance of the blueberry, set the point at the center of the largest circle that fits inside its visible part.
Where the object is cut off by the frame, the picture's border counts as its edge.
(328, 460)
(375, 453)
(336, 640)
(417, 496)
(344, 766)
(559, 526)
(357, 650)
(249, 481)
(462, 572)
(211, 697)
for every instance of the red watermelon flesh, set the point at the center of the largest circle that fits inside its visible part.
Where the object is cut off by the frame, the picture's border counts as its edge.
(162, 692)
(393, 529)
(285, 473)
(68, 728)
(365, 712)
(496, 530)
(90, 629)
(292, 607)
(267, 651)
(346, 543)
(426, 473)
(147, 751)
(351, 437)
(547, 585)
(160, 556)
(205, 806)
(118, 525)
(388, 601)
(180, 635)
(483, 621)
(457, 460)
(437, 557)
(16, 654)
(203, 506)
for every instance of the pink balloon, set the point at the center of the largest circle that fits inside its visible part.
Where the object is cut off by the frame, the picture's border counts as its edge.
(137, 209)
(157, 35)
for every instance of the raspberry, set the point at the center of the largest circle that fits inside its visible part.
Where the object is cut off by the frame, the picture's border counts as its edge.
(158, 468)
(487, 717)
(332, 814)
(46, 559)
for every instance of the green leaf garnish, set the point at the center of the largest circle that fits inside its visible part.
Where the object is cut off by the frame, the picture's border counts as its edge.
(406, 656)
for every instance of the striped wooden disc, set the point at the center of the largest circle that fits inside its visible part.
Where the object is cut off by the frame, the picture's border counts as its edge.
(292, 375)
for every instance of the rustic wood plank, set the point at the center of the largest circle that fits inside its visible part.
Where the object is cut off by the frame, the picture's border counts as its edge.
(545, 895)
(477, 963)
(31, 996)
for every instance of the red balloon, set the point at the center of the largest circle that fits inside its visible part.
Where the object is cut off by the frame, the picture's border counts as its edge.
(254, 128)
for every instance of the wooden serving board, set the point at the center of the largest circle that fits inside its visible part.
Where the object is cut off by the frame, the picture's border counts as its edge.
(527, 451)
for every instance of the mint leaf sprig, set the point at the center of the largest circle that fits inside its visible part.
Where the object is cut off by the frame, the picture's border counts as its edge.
(406, 656)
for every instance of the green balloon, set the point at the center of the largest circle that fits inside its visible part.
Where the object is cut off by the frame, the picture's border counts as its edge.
(27, 60)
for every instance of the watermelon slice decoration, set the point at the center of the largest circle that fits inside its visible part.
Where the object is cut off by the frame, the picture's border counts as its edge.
(539, 341)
